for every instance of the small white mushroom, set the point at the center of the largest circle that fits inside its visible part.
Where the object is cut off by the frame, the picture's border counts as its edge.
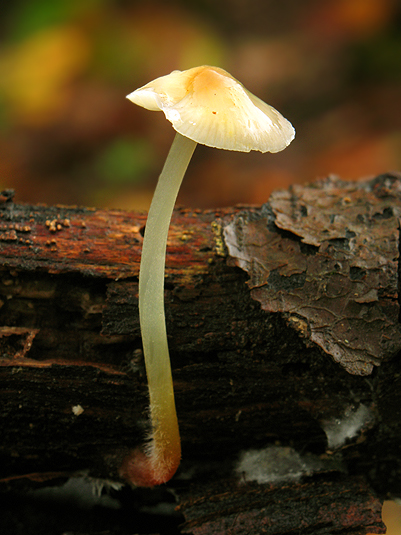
(209, 106)
(205, 105)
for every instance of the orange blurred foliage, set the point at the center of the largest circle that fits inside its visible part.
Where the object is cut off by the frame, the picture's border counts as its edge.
(351, 17)
(36, 74)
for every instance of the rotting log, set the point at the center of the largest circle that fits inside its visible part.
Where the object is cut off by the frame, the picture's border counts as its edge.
(283, 325)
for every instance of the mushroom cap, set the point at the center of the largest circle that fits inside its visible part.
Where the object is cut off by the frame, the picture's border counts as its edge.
(209, 106)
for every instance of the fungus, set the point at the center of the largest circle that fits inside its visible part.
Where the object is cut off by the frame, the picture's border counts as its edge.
(205, 105)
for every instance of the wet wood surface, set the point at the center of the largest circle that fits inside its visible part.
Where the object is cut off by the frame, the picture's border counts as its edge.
(283, 330)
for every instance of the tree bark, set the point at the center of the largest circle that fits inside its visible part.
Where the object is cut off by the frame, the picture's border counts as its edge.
(283, 325)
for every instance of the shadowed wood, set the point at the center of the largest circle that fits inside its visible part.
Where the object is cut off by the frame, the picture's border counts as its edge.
(73, 386)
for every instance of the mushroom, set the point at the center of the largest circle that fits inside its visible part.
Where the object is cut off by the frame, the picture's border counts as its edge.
(205, 105)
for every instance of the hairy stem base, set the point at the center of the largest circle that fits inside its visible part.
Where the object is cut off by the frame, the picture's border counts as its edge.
(159, 461)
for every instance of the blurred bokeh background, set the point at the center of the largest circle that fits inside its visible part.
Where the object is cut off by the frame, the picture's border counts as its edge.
(68, 135)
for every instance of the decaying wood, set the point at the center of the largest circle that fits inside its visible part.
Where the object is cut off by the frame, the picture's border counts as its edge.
(323, 506)
(283, 324)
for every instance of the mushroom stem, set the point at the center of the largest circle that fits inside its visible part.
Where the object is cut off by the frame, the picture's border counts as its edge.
(163, 454)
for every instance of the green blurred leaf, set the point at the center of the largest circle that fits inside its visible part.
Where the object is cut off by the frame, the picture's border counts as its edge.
(125, 161)
(378, 58)
(30, 17)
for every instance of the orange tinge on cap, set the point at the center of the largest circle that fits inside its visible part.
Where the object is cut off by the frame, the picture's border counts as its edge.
(209, 106)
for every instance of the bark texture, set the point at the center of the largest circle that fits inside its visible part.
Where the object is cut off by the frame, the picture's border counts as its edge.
(284, 334)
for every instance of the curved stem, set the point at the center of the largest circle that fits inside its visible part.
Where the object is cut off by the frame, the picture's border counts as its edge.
(164, 452)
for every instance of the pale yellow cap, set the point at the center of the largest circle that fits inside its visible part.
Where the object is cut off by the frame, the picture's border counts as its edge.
(209, 106)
